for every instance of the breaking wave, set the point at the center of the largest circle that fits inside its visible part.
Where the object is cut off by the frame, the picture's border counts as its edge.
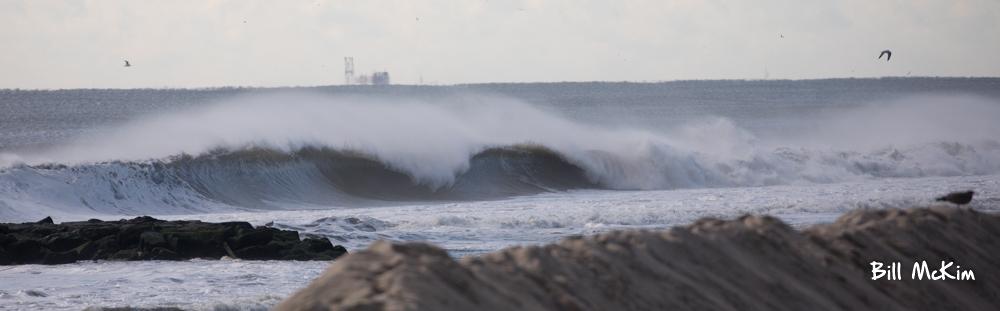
(301, 151)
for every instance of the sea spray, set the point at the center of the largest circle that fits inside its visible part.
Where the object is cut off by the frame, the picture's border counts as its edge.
(295, 150)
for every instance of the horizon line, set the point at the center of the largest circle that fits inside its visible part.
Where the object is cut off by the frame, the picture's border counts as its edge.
(209, 88)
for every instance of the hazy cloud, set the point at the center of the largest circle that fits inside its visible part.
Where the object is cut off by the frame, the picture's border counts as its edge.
(69, 44)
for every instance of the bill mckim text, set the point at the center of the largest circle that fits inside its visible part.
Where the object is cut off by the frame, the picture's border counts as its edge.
(921, 271)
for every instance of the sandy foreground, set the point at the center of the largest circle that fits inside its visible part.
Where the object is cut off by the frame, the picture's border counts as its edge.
(750, 263)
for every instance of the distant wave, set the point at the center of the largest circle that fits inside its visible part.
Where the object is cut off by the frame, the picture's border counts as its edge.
(260, 178)
(252, 177)
(302, 152)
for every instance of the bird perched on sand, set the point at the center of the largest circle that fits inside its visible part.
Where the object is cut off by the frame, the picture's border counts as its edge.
(959, 198)
(886, 53)
(127, 64)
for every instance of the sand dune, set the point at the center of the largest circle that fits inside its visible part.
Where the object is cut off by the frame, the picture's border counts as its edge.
(750, 263)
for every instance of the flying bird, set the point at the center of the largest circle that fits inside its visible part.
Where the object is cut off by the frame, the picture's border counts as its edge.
(887, 54)
(127, 64)
(959, 198)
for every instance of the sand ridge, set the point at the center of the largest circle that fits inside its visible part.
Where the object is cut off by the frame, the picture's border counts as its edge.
(749, 263)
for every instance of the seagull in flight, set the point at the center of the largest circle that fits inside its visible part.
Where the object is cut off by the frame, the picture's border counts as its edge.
(127, 64)
(887, 53)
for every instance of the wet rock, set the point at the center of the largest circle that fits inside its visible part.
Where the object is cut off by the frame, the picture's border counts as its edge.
(150, 239)
(24, 250)
(35, 293)
(54, 258)
(252, 237)
(147, 238)
(96, 232)
(5, 258)
(257, 251)
(63, 241)
(161, 253)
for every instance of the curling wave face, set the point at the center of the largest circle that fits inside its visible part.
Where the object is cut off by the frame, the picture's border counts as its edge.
(263, 178)
(294, 150)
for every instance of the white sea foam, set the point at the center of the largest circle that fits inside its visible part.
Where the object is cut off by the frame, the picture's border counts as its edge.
(189, 285)
(463, 228)
(114, 172)
(900, 153)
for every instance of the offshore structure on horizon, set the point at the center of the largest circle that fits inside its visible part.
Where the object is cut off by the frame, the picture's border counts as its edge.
(377, 78)
(348, 70)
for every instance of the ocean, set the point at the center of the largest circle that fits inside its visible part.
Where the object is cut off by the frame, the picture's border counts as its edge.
(471, 168)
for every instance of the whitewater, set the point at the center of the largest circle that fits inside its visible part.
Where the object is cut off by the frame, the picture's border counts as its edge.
(471, 168)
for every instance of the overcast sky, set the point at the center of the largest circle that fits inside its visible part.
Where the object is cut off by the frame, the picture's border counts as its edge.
(81, 44)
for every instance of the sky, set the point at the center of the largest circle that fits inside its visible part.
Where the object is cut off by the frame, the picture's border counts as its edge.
(53, 44)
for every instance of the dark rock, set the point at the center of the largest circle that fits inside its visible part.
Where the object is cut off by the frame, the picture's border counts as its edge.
(23, 250)
(129, 234)
(5, 258)
(143, 220)
(197, 239)
(86, 251)
(237, 225)
(317, 245)
(251, 237)
(285, 235)
(6, 239)
(63, 241)
(43, 229)
(161, 253)
(150, 239)
(54, 258)
(97, 232)
(957, 198)
(146, 238)
(35, 293)
(258, 251)
(339, 250)
(107, 242)
(125, 254)
(46, 220)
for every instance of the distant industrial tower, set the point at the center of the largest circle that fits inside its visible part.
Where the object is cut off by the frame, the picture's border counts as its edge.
(380, 78)
(348, 70)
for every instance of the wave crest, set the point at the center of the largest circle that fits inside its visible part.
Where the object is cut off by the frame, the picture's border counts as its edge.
(302, 151)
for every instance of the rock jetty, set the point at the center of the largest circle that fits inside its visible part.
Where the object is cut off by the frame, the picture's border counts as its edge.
(147, 238)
